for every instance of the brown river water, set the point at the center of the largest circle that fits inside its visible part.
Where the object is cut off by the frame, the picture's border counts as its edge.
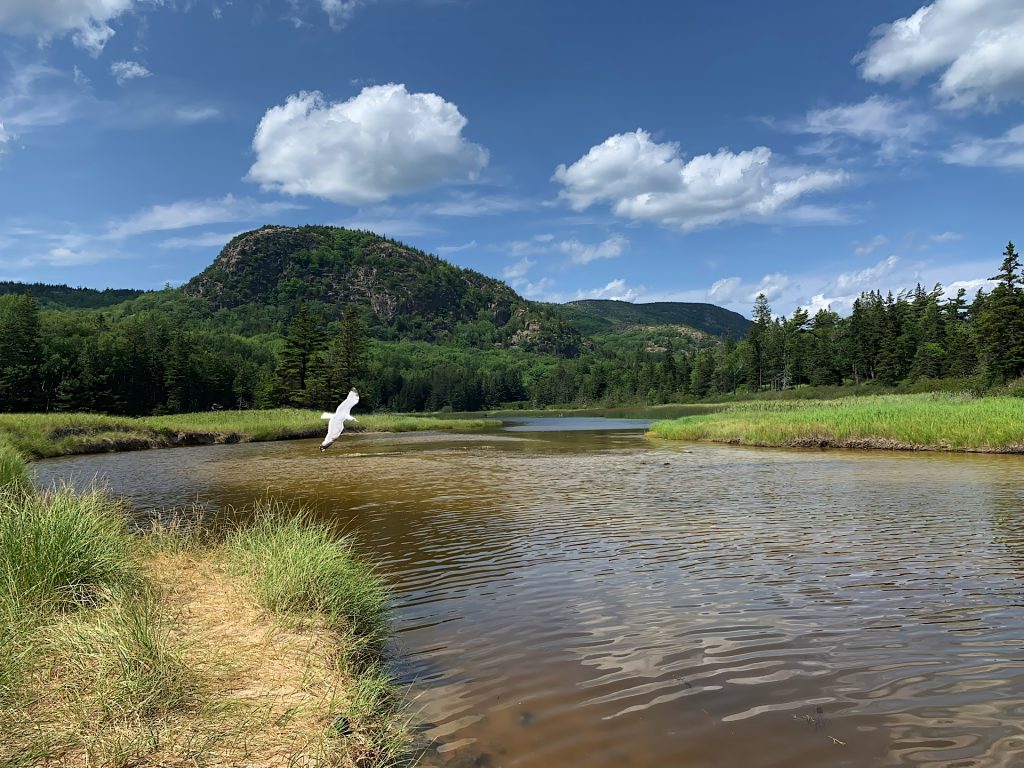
(590, 597)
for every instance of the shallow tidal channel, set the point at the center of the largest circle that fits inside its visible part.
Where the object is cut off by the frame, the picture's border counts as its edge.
(568, 592)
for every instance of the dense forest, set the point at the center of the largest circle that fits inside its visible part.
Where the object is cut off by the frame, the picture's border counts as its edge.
(295, 316)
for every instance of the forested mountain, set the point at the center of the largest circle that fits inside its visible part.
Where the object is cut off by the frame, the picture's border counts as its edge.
(298, 315)
(594, 316)
(65, 297)
(269, 272)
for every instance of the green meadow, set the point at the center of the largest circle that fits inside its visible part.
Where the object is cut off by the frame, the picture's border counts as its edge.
(42, 435)
(935, 421)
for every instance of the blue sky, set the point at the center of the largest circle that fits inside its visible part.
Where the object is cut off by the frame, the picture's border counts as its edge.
(654, 150)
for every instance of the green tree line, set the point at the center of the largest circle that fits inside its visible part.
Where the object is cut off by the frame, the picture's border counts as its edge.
(153, 361)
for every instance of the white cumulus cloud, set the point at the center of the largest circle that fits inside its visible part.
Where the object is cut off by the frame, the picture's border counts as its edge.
(123, 71)
(383, 142)
(975, 44)
(86, 20)
(771, 286)
(649, 181)
(616, 290)
(584, 253)
(725, 290)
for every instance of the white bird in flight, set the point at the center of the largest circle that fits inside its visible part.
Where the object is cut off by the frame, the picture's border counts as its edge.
(336, 425)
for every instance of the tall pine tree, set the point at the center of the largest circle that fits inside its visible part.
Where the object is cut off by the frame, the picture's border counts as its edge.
(21, 354)
(304, 340)
(999, 328)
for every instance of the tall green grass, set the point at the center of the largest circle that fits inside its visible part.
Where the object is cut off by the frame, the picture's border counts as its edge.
(16, 624)
(13, 471)
(59, 550)
(299, 568)
(57, 434)
(936, 421)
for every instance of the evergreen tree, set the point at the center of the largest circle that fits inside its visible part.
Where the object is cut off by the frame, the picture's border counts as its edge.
(703, 373)
(824, 363)
(345, 362)
(305, 338)
(757, 340)
(669, 373)
(1000, 323)
(21, 354)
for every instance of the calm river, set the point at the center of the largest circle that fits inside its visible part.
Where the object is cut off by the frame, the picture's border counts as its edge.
(588, 597)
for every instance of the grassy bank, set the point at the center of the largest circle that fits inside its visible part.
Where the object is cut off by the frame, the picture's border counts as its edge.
(168, 648)
(43, 435)
(940, 422)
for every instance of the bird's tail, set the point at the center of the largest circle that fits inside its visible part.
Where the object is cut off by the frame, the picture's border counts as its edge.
(326, 415)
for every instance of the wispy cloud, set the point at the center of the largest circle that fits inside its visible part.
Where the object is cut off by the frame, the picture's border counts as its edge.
(194, 213)
(88, 21)
(867, 278)
(123, 71)
(518, 270)
(1006, 151)
(895, 127)
(203, 240)
(584, 253)
(876, 242)
(444, 249)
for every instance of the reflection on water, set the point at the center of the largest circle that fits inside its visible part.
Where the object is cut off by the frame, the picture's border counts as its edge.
(597, 599)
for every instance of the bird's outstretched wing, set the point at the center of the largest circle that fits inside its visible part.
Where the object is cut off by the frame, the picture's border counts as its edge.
(334, 429)
(345, 409)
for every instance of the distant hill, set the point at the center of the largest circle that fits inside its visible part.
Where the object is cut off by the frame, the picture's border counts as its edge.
(66, 297)
(594, 316)
(260, 278)
(407, 294)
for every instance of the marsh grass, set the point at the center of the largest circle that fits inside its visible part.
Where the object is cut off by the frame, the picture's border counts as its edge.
(105, 688)
(179, 531)
(298, 568)
(13, 470)
(58, 550)
(174, 646)
(933, 421)
(43, 435)
(120, 649)
(124, 655)
(86, 649)
(305, 573)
